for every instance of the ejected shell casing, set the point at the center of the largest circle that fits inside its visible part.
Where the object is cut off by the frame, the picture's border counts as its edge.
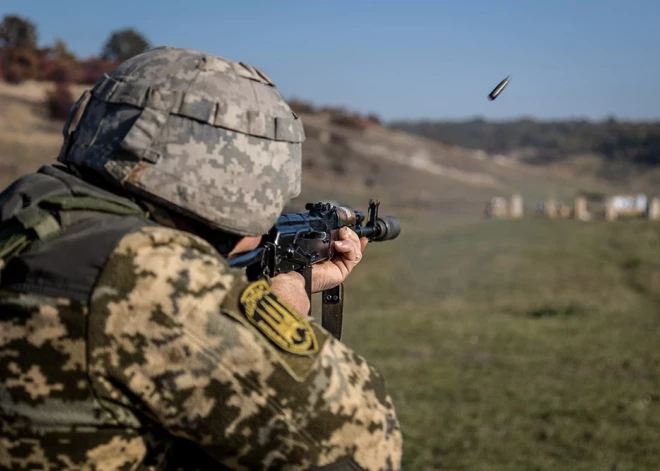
(497, 90)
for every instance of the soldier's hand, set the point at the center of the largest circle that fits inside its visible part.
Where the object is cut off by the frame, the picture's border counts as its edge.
(348, 253)
(290, 287)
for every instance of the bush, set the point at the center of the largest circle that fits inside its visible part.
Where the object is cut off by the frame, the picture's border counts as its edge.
(59, 102)
(301, 107)
(21, 65)
(56, 71)
(93, 69)
(61, 74)
(374, 118)
(14, 74)
(354, 121)
(333, 110)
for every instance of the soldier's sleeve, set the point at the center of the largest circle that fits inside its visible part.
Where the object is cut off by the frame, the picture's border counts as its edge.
(227, 365)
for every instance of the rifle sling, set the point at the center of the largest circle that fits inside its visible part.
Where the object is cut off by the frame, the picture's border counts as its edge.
(332, 310)
(307, 274)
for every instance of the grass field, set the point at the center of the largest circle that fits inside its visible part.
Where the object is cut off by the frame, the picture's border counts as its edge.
(517, 345)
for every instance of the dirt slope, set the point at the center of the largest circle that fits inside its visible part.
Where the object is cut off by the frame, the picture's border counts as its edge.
(340, 163)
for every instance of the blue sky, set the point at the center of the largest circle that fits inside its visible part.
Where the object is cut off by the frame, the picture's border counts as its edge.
(405, 59)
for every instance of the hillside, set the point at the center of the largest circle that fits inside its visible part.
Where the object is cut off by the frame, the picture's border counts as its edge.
(27, 138)
(625, 153)
(340, 163)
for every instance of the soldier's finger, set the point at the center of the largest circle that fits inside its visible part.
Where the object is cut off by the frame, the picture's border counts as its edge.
(348, 250)
(349, 234)
(360, 242)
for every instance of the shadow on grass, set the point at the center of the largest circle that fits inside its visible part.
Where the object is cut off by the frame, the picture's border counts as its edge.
(560, 310)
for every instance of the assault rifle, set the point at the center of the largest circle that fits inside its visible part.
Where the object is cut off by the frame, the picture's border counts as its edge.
(300, 240)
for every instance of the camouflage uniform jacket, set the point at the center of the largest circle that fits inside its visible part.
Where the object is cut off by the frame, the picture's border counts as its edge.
(124, 345)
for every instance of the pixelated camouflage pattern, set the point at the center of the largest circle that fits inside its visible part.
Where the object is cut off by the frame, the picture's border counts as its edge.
(167, 338)
(49, 418)
(206, 136)
(162, 371)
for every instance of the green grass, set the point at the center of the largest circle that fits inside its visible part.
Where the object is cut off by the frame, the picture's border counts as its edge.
(517, 344)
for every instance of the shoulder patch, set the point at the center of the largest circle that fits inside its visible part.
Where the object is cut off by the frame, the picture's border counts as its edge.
(277, 320)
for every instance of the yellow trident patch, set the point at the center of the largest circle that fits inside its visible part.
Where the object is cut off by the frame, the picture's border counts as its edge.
(278, 320)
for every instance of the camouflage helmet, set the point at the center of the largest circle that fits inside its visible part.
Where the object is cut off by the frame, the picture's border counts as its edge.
(201, 135)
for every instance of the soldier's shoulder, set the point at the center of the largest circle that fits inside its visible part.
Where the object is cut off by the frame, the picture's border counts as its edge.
(164, 240)
(156, 260)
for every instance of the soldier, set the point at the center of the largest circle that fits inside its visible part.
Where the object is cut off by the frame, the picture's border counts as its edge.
(126, 341)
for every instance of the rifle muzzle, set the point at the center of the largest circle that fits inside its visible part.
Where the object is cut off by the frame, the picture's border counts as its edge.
(386, 228)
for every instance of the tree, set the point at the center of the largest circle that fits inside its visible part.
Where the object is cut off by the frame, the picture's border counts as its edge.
(17, 33)
(61, 52)
(124, 44)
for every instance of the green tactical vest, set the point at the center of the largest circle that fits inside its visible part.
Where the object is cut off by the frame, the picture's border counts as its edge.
(40, 207)
(56, 234)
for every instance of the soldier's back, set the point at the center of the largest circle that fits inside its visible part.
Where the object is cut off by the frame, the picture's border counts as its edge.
(123, 346)
(49, 415)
